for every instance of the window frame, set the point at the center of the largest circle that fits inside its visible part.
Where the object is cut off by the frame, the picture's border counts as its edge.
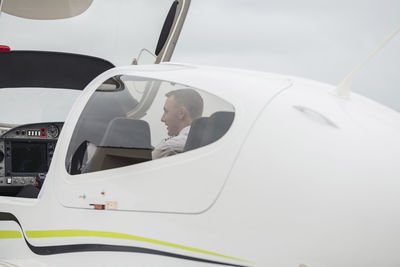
(162, 185)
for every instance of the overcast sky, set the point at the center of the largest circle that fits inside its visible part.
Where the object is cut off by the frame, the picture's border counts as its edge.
(316, 39)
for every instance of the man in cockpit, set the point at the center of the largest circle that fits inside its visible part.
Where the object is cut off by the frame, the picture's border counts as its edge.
(180, 109)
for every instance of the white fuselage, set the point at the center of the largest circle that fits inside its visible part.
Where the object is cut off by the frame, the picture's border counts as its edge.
(302, 177)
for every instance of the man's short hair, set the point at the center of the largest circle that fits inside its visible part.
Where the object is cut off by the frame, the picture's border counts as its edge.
(190, 99)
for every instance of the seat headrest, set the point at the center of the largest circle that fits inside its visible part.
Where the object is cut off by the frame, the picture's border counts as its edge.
(221, 122)
(127, 133)
(206, 130)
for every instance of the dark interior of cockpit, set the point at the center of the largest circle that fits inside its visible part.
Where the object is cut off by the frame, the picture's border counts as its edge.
(26, 150)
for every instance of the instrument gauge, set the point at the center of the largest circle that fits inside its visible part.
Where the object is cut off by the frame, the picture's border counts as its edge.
(52, 131)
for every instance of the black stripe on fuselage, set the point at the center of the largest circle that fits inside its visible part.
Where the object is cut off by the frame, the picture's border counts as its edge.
(62, 249)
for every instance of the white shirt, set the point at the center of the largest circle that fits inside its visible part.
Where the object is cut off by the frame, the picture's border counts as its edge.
(172, 145)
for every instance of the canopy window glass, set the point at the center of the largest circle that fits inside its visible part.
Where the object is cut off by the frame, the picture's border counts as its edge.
(128, 120)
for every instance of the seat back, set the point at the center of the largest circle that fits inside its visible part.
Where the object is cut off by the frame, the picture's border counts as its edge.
(127, 133)
(206, 130)
(125, 142)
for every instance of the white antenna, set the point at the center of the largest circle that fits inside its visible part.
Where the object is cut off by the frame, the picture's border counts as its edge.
(343, 89)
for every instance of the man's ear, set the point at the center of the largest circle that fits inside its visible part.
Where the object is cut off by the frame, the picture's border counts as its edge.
(182, 112)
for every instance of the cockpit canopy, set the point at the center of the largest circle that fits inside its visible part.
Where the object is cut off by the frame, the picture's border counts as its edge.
(122, 124)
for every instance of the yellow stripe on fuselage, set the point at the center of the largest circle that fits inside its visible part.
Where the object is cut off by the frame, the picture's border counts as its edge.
(10, 234)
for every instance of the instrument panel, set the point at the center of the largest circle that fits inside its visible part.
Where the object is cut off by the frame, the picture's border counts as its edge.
(26, 152)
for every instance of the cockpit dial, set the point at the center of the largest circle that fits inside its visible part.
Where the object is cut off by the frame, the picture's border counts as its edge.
(52, 131)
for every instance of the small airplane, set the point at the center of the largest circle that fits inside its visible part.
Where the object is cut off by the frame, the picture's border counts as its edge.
(278, 171)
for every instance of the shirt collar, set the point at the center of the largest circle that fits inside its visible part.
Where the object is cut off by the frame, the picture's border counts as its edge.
(185, 131)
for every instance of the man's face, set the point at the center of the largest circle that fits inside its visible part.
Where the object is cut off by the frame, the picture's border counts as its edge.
(172, 116)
